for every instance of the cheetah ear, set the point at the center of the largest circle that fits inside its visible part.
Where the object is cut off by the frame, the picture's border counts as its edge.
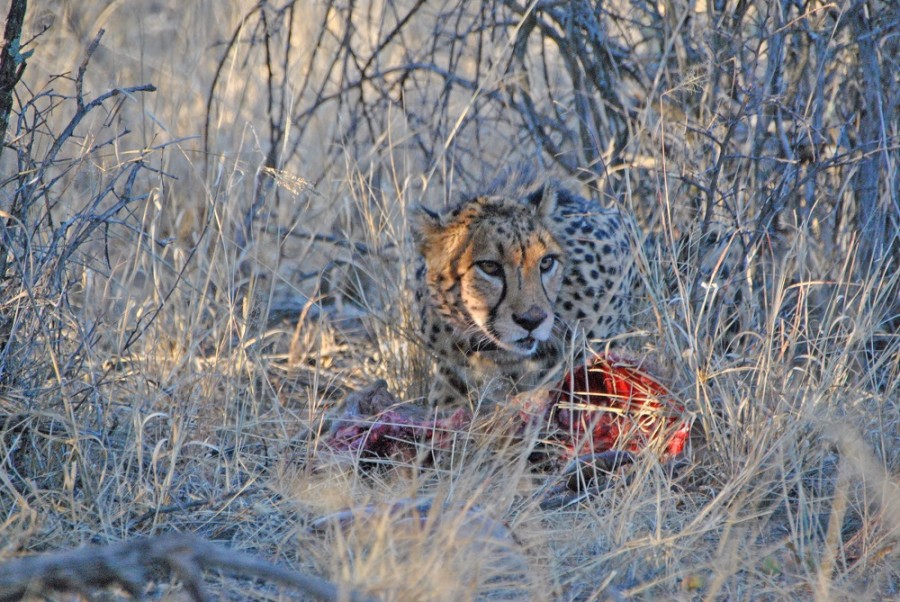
(545, 199)
(426, 224)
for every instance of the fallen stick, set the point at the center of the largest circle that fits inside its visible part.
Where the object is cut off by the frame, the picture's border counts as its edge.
(131, 564)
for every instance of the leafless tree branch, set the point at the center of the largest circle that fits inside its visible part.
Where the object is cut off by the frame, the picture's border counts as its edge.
(132, 564)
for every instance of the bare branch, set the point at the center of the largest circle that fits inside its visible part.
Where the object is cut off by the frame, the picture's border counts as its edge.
(12, 65)
(132, 564)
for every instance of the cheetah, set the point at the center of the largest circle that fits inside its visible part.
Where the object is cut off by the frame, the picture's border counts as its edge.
(512, 282)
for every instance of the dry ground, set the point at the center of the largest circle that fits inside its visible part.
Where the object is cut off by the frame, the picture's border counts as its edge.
(192, 277)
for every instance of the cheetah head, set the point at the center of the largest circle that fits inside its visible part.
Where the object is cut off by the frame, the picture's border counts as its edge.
(493, 269)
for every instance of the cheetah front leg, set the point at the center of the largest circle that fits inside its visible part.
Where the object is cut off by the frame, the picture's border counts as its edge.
(447, 389)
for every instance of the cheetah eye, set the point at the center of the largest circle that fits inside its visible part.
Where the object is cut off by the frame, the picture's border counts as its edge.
(489, 268)
(548, 263)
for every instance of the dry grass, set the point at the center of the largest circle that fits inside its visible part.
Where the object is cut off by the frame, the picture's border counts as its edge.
(193, 277)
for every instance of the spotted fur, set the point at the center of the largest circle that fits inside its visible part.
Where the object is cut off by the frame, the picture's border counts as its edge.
(510, 282)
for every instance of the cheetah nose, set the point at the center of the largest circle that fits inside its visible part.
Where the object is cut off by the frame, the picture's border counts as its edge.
(531, 319)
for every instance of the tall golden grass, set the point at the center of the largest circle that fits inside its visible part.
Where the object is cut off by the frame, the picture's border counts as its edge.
(193, 277)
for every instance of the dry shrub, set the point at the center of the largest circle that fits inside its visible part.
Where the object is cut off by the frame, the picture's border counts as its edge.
(191, 278)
